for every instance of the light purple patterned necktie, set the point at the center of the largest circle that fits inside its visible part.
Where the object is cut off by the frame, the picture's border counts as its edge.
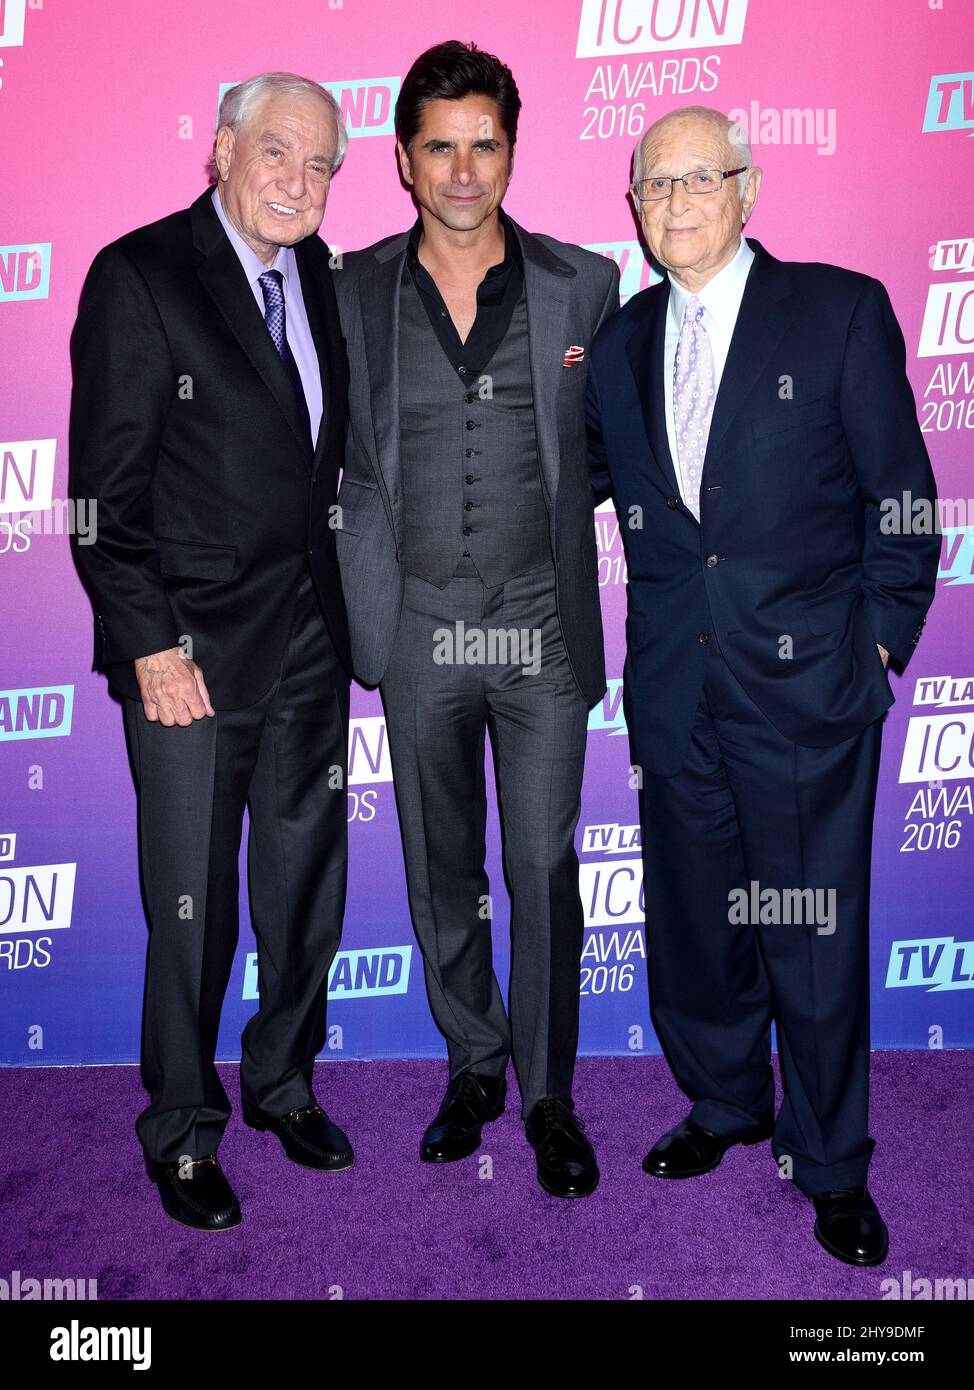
(694, 392)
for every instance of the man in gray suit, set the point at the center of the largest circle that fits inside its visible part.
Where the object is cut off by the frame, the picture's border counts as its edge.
(468, 560)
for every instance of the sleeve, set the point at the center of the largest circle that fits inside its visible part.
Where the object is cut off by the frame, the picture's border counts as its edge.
(901, 547)
(123, 383)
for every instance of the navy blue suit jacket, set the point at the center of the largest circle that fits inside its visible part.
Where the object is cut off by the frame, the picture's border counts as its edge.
(790, 569)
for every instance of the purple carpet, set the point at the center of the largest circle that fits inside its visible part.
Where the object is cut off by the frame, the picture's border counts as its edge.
(75, 1202)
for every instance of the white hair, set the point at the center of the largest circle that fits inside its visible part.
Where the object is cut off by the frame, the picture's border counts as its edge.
(731, 132)
(240, 102)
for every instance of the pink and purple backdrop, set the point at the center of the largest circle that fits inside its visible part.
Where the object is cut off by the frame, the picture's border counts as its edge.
(861, 116)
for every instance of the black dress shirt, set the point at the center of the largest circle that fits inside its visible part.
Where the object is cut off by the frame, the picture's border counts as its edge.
(497, 295)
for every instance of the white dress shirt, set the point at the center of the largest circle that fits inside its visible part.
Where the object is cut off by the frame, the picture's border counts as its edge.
(721, 298)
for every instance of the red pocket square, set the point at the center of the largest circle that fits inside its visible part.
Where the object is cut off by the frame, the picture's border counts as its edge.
(573, 355)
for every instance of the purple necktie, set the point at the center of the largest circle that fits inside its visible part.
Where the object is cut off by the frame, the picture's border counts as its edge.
(272, 288)
(694, 391)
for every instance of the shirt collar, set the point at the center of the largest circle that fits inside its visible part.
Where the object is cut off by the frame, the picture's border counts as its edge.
(512, 247)
(721, 296)
(252, 264)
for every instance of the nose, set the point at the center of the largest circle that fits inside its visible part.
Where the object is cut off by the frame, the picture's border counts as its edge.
(462, 167)
(294, 183)
(679, 199)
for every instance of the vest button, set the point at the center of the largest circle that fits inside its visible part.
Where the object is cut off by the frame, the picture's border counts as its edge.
(468, 530)
(471, 424)
(468, 506)
(470, 397)
(469, 479)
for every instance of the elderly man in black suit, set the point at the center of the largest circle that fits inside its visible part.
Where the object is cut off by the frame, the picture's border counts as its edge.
(208, 420)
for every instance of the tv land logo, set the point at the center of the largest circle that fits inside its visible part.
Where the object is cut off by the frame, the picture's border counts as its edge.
(34, 899)
(12, 23)
(608, 27)
(25, 271)
(354, 974)
(935, 964)
(636, 270)
(956, 255)
(950, 102)
(608, 716)
(367, 104)
(946, 691)
(36, 712)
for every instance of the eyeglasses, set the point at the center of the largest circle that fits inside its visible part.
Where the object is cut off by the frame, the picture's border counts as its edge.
(700, 181)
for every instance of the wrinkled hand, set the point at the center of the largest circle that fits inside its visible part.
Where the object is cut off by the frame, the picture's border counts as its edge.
(883, 653)
(173, 688)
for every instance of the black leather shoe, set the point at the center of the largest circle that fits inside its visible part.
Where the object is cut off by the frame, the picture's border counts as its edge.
(195, 1193)
(307, 1134)
(688, 1150)
(566, 1159)
(471, 1100)
(849, 1226)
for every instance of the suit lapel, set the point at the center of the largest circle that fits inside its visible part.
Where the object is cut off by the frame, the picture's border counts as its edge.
(645, 352)
(547, 281)
(379, 299)
(326, 333)
(759, 328)
(224, 278)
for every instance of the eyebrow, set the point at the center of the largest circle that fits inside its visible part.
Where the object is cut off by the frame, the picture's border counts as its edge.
(480, 140)
(270, 137)
(700, 164)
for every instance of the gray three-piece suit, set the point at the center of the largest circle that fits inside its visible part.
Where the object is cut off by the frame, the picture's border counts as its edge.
(466, 500)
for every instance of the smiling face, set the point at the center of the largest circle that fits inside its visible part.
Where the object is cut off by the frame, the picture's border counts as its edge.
(275, 171)
(459, 163)
(694, 236)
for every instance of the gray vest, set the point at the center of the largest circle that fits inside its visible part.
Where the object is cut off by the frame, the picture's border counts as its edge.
(471, 477)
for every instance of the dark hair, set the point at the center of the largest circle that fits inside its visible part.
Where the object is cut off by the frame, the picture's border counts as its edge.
(448, 72)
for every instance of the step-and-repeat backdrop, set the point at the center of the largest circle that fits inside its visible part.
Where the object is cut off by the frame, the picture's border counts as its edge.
(862, 116)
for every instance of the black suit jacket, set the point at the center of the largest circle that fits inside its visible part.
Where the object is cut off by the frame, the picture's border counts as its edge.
(790, 568)
(185, 430)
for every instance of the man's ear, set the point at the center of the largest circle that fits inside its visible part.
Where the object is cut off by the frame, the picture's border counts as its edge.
(751, 191)
(225, 141)
(404, 165)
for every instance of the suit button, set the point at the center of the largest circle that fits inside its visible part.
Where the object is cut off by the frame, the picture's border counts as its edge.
(672, 503)
(468, 530)
(702, 638)
(712, 562)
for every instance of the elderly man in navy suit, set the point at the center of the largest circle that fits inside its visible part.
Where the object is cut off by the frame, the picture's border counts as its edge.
(751, 416)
